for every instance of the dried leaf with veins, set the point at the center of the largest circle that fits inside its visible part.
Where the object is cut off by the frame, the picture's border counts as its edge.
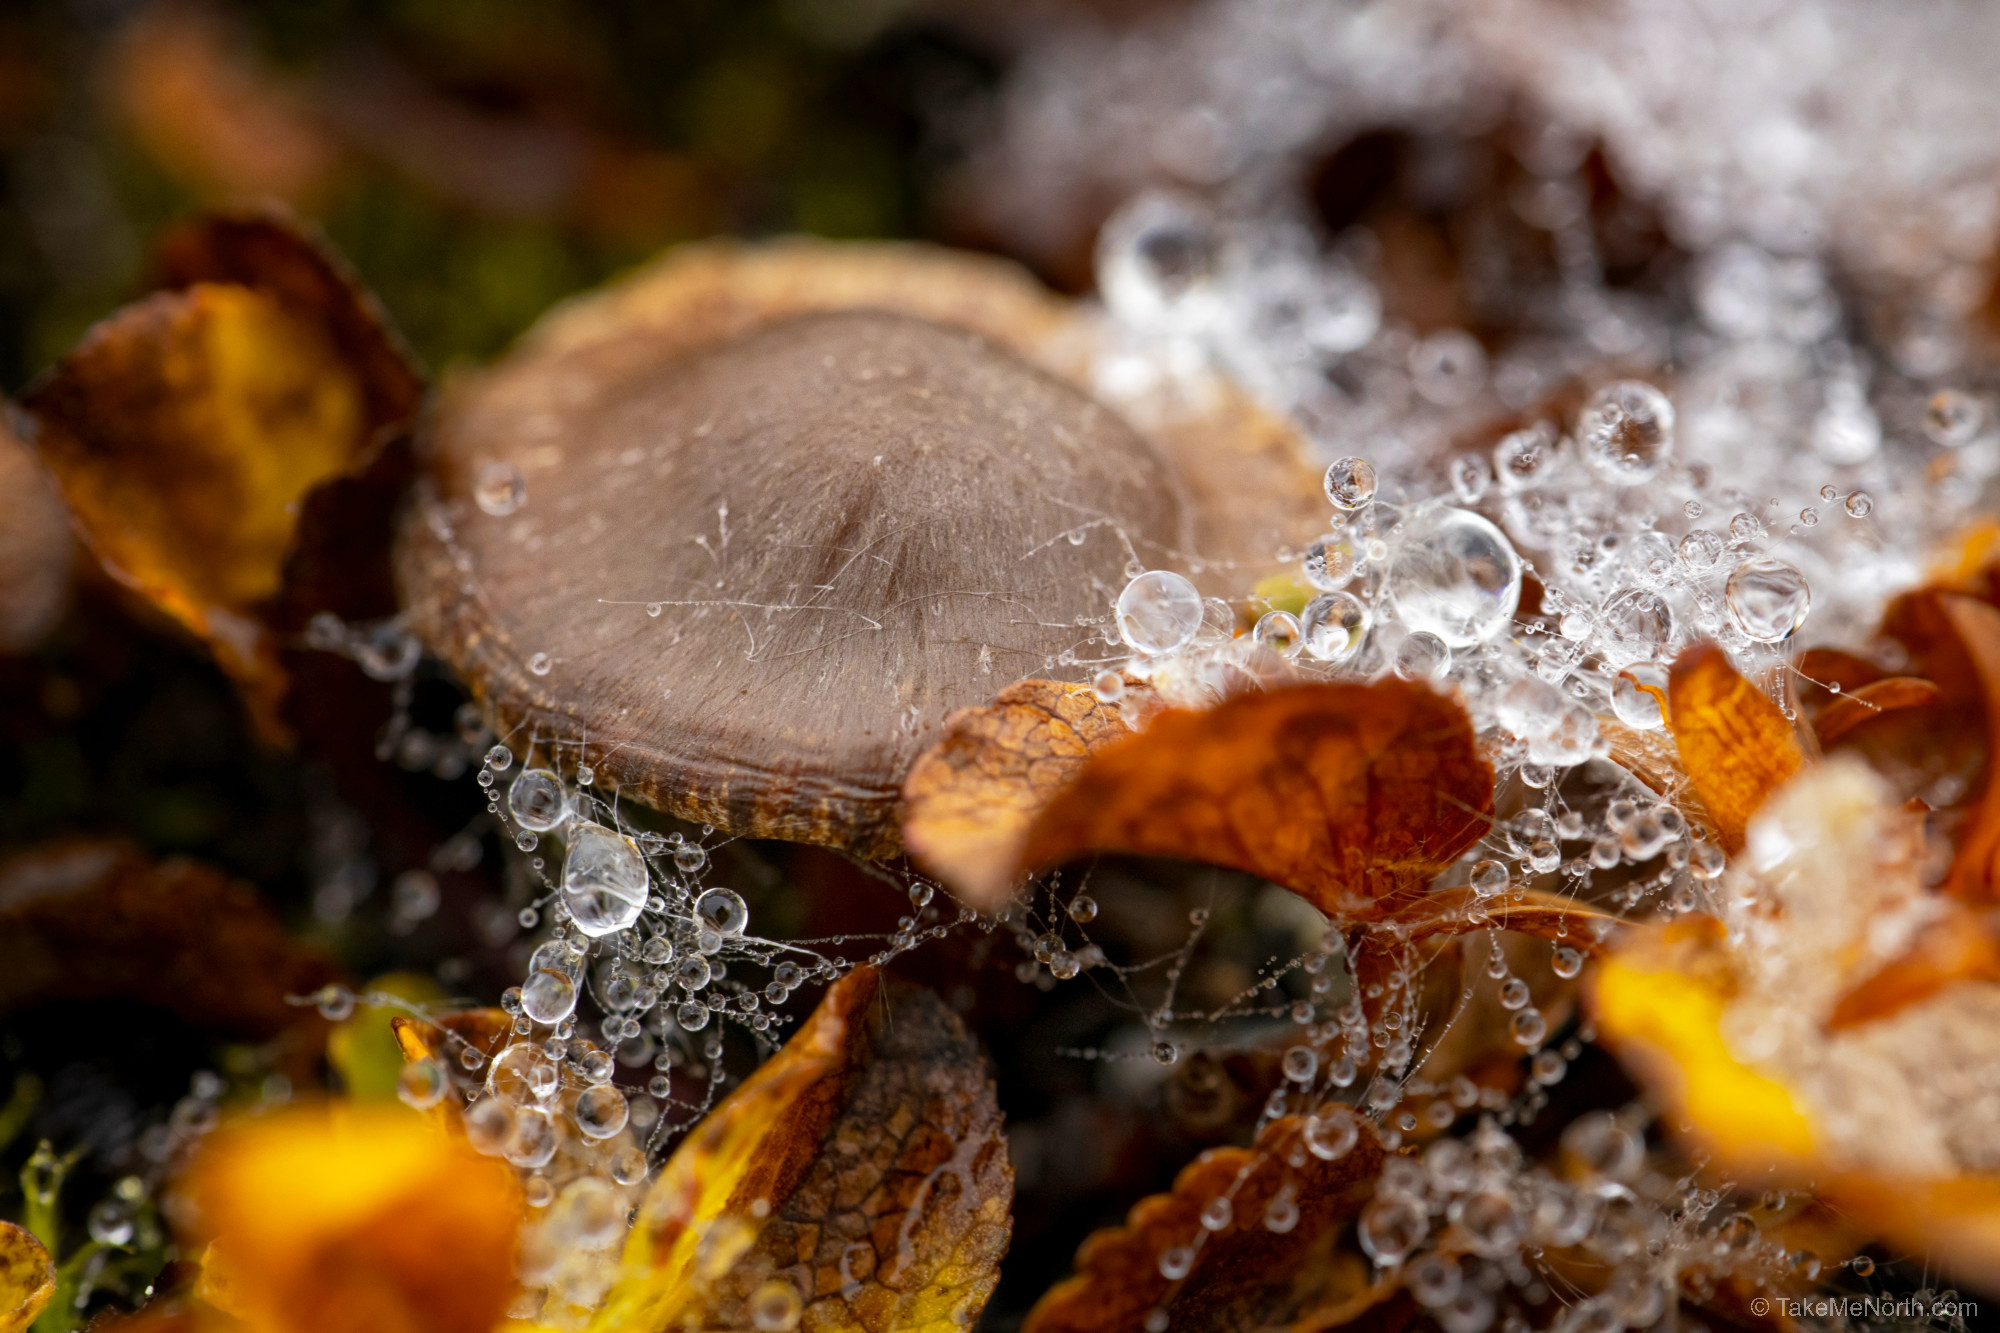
(862, 1169)
(1736, 745)
(1350, 795)
(188, 429)
(27, 1278)
(1279, 1259)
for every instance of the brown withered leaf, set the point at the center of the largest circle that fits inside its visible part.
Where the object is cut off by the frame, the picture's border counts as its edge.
(1346, 794)
(88, 920)
(1975, 868)
(863, 1165)
(1962, 945)
(189, 429)
(1737, 747)
(1870, 701)
(970, 800)
(27, 1278)
(1246, 1275)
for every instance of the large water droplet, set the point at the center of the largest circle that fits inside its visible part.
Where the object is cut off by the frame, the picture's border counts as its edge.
(1626, 432)
(604, 880)
(1159, 612)
(1453, 574)
(1634, 626)
(1768, 599)
(537, 800)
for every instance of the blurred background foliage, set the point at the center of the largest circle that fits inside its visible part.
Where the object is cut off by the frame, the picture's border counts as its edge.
(476, 159)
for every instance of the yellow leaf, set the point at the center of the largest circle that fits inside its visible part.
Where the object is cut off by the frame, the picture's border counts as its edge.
(27, 1278)
(857, 1181)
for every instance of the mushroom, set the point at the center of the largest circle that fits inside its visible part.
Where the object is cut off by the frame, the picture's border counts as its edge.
(740, 534)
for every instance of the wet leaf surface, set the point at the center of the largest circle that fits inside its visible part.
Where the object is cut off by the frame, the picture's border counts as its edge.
(860, 1177)
(1350, 795)
(339, 1219)
(1248, 1273)
(1736, 745)
(188, 429)
(27, 1278)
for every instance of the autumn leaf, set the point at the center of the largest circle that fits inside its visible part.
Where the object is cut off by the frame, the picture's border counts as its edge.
(859, 1177)
(352, 1219)
(27, 1278)
(1737, 747)
(1870, 701)
(93, 920)
(970, 800)
(188, 430)
(1975, 869)
(1961, 945)
(1349, 795)
(1255, 1237)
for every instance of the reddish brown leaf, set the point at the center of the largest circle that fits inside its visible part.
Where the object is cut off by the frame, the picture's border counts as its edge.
(1826, 667)
(96, 919)
(1975, 870)
(1960, 946)
(1870, 701)
(1346, 794)
(970, 800)
(1737, 747)
(1247, 1274)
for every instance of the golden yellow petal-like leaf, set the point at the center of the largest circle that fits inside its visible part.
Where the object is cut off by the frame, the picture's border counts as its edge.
(1737, 747)
(1658, 1001)
(859, 1177)
(27, 1278)
(347, 1219)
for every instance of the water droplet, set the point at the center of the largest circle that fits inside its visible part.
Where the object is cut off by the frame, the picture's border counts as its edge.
(1952, 418)
(1700, 549)
(1176, 1262)
(775, 1307)
(1331, 1132)
(601, 1111)
(689, 859)
(498, 488)
(499, 758)
(538, 801)
(1165, 1052)
(540, 664)
(1156, 264)
(1158, 612)
(654, 609)
(1350, 483)
(604, 879)
(1454, 575)
(692, 1016)
(1423, 657)
(694, 972)
(1471, 476)
(488, 1125)
(1566, 961)
(1281, 1214)
(1217, 1214)
(1489, 877)
(1083, 909)
(723, 911)
(1108, 686)
(1860, 505)
(1522, 458)
(1333, 626)
(1391, 1227)
(1280, 632)
(422, 1083)
(1529, 1027)
(1300, 1063)
(110, 1223)
(1767, 599)
(1634, 626)
(1635, 705)
(1329, 563)
(1626, 432)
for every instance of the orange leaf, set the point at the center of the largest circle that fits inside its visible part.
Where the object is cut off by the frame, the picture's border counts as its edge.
(1851, 709)
(1248, 1273)
(1961, 946)
(1346, 794)
(1826, 667)
(188, 430)
(1975, 870)
(969, 800)
(344, 1219)
(860, 1173)
(27, 1278)
(1737, 747)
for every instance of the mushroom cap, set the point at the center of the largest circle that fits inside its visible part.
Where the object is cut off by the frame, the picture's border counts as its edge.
(851, 523)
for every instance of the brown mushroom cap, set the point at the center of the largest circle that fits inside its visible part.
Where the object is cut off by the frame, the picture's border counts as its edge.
(851, 523)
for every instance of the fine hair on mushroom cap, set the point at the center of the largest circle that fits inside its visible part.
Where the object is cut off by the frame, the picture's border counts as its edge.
(757, 575)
